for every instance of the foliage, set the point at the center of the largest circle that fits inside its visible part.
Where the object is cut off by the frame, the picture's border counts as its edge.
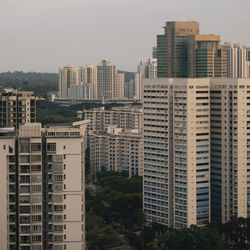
(192, 238)
(98, 235)
(40, 83)
(52, 113)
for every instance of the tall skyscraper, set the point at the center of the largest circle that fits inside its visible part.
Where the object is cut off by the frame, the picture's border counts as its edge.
(17, 107)
(196, 150)
(236, 60)
(172, 48)
(110, 85)
(154, 52)
(68, 76)
(43, 187)
(206, 58)
(88, 74)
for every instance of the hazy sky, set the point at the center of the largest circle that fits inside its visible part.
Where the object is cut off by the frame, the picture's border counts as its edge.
(42, 35)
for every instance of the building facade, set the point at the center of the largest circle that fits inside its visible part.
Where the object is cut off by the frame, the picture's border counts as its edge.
(237, 61)
(146, 69)
(125, 117)
(17, 107)
(196, 150)
(81, 91)
(110, 85)
(116, 150)
(206, 58)
(68, 76)
(172, 49)
(176, 151)
(43, 182)
(88, 75)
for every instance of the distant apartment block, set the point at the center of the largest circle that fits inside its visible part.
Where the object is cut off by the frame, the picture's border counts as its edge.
(146, 69)
(129, 89)
(116, 150)
(88, 75)
(126, 117)
(196, 150)
(110, 84)
(81, 91)
(17, 107)
(237, 60)
(43, 187)
(68, 76)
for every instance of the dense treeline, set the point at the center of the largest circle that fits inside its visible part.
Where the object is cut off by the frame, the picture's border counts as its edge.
(52, 113)
(40, 83)
(117, 201)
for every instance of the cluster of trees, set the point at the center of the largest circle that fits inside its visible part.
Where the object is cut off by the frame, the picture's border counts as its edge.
(40, 83)
(118, 202)
(99, 236)
(51, 113)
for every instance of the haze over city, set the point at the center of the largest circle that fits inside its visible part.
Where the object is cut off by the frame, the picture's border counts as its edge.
(43, 35)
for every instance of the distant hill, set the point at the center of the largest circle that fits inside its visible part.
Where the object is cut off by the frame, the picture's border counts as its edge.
(40, 83)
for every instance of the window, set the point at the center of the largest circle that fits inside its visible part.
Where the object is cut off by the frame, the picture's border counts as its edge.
(51, 146)
(25, 148)
(36, 188)
(58, 228)
(36, 208)
(36, 198)
(57, 198)
(36, 178)
(58, 218)
(36, 158)
(24, 159)
(36, 168)
(36, 218)
(36, 238)
(35, 147)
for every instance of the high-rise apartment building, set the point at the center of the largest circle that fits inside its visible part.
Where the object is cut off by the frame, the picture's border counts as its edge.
(43, 187)
(68, 76)
(116, 150)
(230, 146)
(88, 75)
(17, 107)
(176, 151)
(196, 150)
(81, 91)
(129, 89)
(125, 117)
(146, 69)
(236, 60)
(110, 85)
(206, 58)
(172, 49)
